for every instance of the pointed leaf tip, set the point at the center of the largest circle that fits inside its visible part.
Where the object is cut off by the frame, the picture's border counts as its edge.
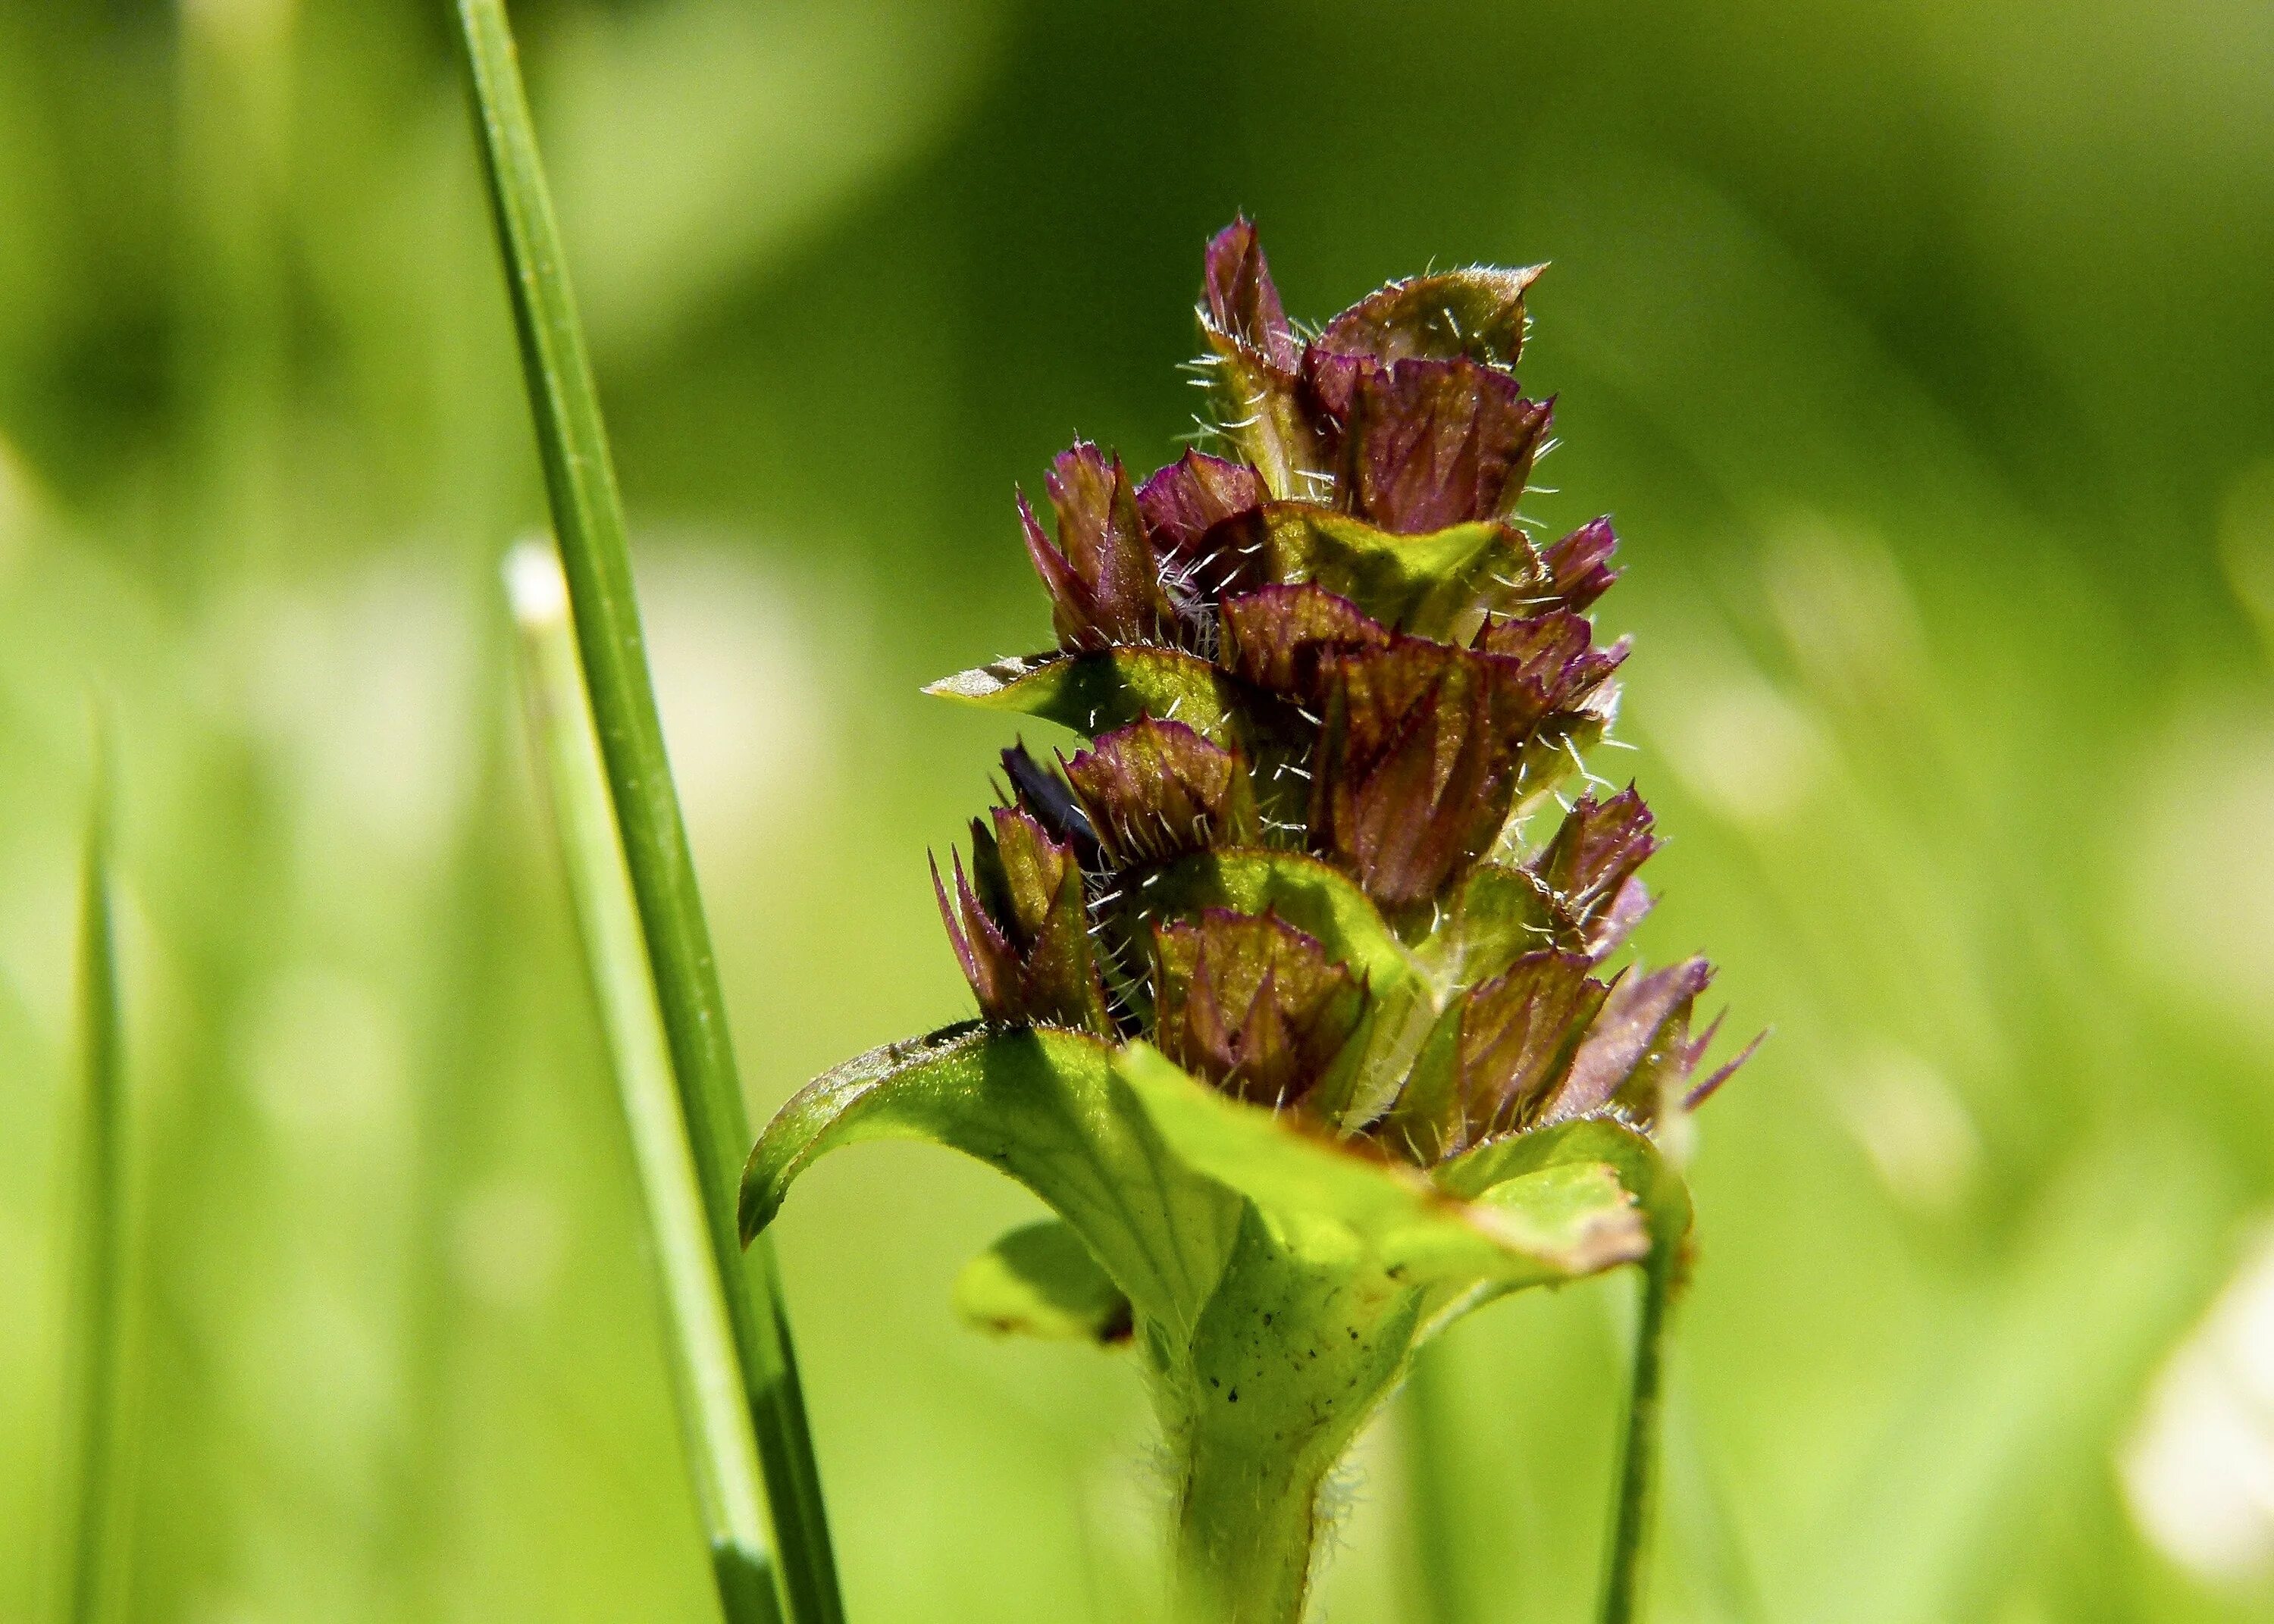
(1239, 300)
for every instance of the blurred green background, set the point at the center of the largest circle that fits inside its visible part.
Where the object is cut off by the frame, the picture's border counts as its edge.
(1922, 350)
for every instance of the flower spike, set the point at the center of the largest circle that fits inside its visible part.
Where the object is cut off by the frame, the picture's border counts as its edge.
(1312, 1035)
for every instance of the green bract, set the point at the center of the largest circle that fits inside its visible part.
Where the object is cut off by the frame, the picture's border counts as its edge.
(1311, 1041)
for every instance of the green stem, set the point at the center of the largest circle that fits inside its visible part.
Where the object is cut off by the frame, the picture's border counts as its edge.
(588, 516)
(1247, 1524)
(96, 1275)
(721, 1457)
(1431, 1494)
(1638, 1478)
(1290, 1356)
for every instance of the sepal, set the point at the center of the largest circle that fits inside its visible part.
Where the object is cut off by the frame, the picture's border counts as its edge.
(1412, 775)
(1253, 1005)
(1189, 498)
(1589, 869)
(1276, 636)
(1477, 313)
(1638, 1057)
(1578, 567)
(1155, 790)
(1495, 1057)
(1430, 444)
(1020, 926)
(1256, 360)
(1103, 580)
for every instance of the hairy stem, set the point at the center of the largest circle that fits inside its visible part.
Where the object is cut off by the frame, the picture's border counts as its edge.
(1247, 1529)
(1300, 1342)
(588, 516)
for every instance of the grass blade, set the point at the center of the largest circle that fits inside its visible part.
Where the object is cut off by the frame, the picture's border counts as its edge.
(1431, 1420)
(588, 516)
(720, 1450)
(99, 1260)
(1637, 1484)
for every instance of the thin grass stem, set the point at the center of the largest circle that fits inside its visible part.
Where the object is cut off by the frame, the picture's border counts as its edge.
(1432, 1495)
(1636, 1493)
(588, 518)
(721, 1454)
(99, 1260)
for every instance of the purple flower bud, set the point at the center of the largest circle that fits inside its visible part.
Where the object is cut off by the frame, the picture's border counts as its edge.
(1103, 579)
(1578, 566)
(1157, 789)
(1021, 932)
(1252, 1003)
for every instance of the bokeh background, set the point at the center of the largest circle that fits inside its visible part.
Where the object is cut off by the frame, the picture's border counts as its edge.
(1924, 352)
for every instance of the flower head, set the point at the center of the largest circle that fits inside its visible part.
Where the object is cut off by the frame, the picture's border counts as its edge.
(1298, 1005)
(1386, 675)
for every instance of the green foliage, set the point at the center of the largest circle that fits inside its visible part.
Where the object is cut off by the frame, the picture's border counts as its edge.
(1274, 1283)
(1830, 320)
(596, 561)
(1041, 1280)
(721, 1446)
(99, 1272)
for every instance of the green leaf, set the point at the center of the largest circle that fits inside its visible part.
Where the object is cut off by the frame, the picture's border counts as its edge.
(1041, 1280)
(715, 1421)
(588, 518)
(1662, 1193)
(1422, 585)
(1043, 1107)
(99, 1237)
(1562, 1222)
(1092, 694)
